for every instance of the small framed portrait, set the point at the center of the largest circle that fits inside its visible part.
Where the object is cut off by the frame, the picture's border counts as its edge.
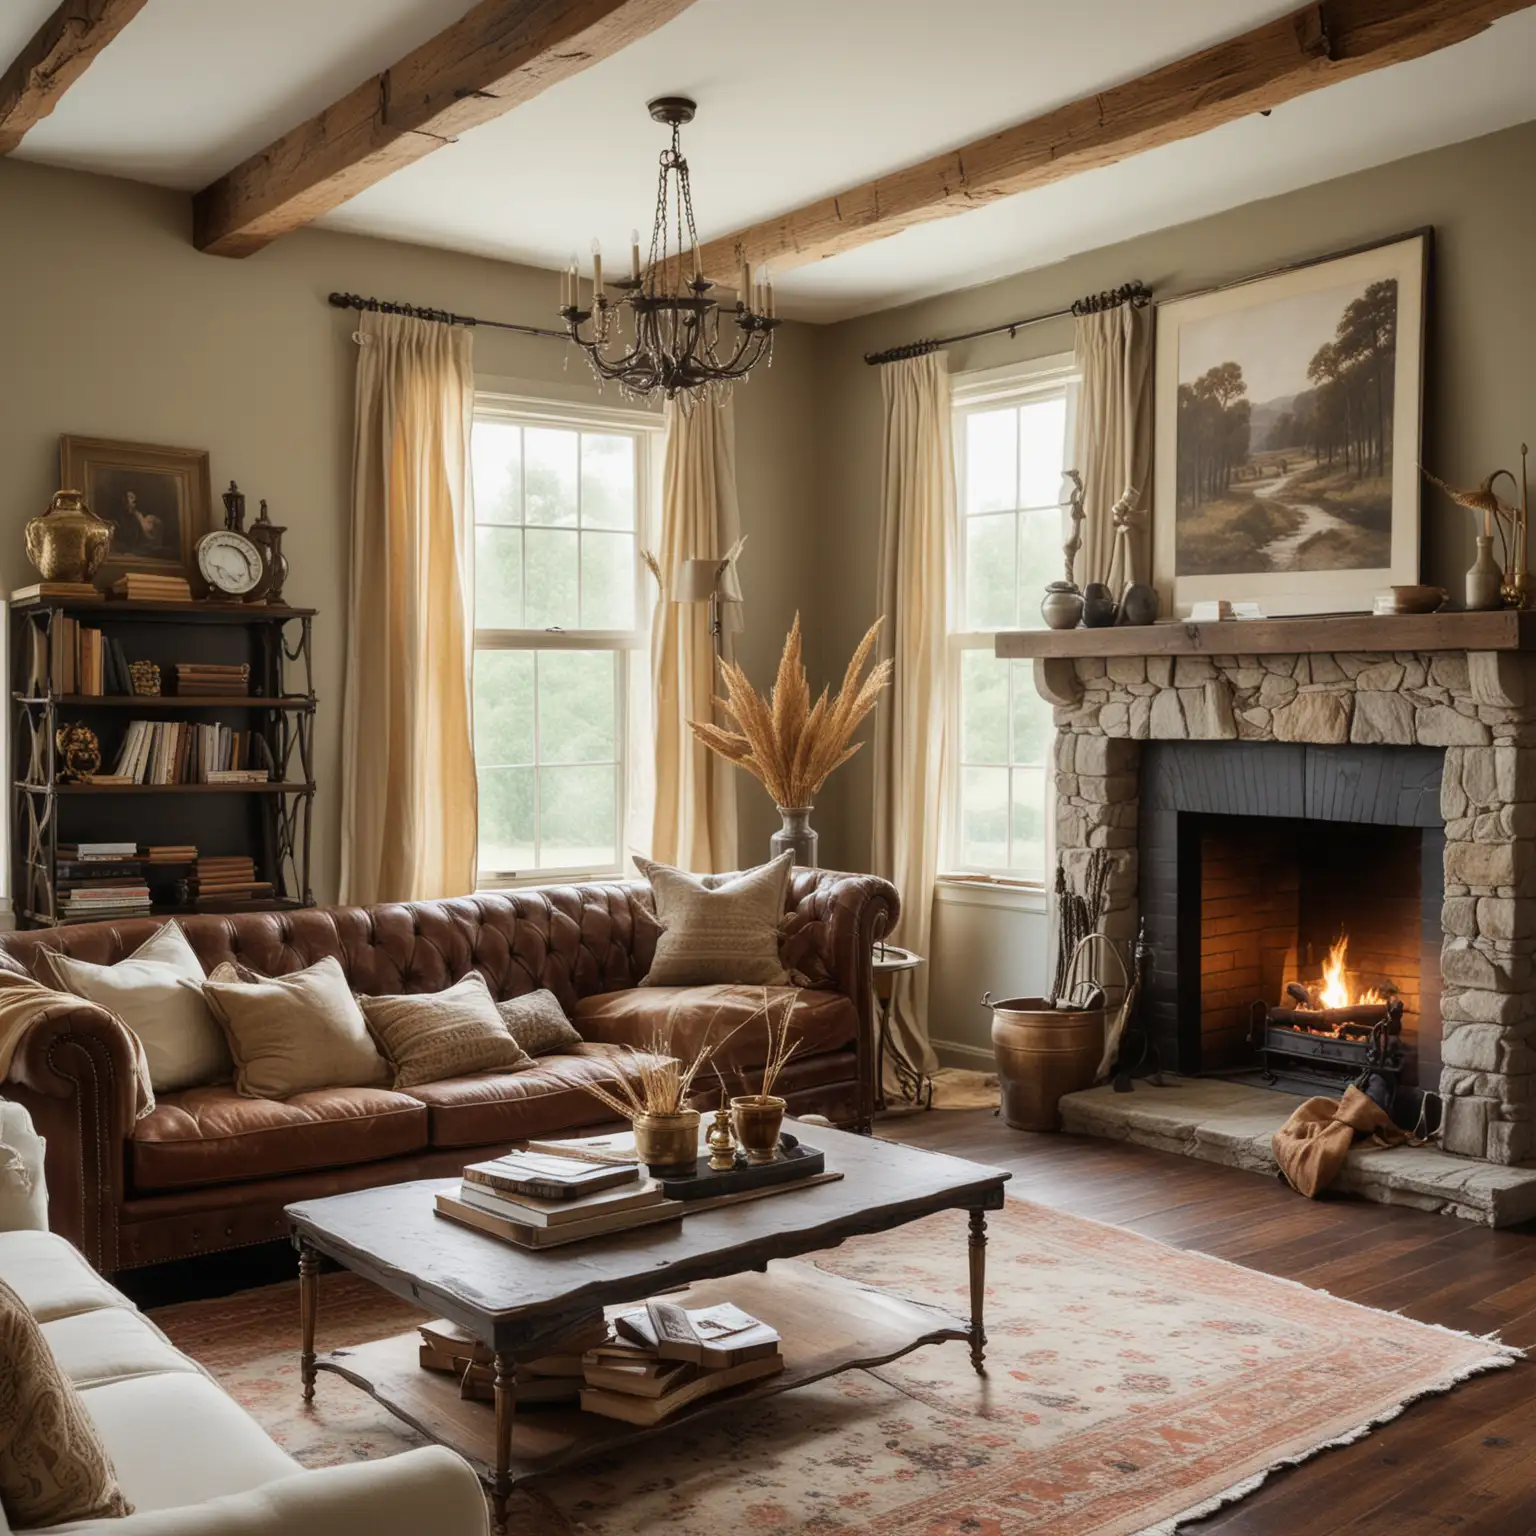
(156, 499)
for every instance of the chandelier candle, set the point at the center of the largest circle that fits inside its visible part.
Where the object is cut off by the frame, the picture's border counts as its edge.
(678, 348)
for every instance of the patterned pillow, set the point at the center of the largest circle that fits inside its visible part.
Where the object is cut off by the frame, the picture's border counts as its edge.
(538, 1023)
(718, 929)
(53, 1466)
(428, 1036)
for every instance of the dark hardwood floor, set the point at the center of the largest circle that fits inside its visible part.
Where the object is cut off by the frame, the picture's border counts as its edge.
(1462, 1463)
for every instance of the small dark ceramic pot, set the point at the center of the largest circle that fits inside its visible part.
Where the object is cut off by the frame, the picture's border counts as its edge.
(1098, 606)
(1140, 604)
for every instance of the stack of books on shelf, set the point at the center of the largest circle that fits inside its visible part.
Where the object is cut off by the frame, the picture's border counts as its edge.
(141, 587)
(184, 752)
(170, 853)
(544, 1200)
(84, 661)
(42, 591)
(101, 880)
(666, 1357)
(220, 879)
(205, 679)
(553, 1379)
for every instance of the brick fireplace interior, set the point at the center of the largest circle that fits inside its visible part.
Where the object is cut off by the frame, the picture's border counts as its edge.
(1276, 894)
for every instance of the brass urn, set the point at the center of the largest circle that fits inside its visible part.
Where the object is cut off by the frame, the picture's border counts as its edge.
(68, 542)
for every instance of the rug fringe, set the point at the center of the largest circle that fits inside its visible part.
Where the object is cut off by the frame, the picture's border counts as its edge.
(1507, 1357)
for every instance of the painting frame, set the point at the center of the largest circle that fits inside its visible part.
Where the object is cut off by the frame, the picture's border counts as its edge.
(1352, 527)
(159, 501)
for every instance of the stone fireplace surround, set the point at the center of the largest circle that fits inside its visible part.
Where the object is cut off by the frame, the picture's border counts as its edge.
(1477, 705)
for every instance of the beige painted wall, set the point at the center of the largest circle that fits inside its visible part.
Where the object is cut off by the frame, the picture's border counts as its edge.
(112, 325)
(1480, 399)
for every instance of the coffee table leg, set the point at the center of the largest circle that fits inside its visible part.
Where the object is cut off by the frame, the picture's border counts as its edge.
(505, 1387)
(309, 1299)
(978, 1255)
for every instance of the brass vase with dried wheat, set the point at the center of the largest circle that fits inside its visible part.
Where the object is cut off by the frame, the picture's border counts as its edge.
(789, 744)
(758, 1118)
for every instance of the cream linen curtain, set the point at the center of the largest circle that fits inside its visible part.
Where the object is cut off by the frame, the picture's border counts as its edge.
(408, 767)
(693, 822)
(911, 748)
(1113, 447)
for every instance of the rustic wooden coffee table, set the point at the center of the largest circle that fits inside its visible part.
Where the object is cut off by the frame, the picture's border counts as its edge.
(517, 1302)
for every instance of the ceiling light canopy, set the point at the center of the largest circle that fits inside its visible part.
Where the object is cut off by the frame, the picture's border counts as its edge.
(662, 334)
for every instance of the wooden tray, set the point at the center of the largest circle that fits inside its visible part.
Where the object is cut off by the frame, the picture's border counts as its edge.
(795, 1161)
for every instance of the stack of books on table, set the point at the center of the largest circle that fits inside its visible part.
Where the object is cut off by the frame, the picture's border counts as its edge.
(219, 879)
(101, 880)
(539, 1200)
(666, 1357)
(553, 1379)
(141, 587)
(205, 679)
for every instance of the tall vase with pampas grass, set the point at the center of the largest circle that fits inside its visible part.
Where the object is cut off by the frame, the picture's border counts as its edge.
(788, 744)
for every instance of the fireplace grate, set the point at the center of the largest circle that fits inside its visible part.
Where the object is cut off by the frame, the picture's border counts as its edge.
(1309, 1048)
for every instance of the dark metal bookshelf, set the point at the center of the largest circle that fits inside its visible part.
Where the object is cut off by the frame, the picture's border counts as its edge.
(270, 822)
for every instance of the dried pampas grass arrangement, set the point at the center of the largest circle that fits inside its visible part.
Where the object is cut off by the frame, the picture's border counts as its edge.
(785, 741)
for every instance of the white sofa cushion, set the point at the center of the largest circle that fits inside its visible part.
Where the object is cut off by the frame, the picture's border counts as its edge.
(111, 1344)
(177, 1439)
(52, 1277)
(23, 1192)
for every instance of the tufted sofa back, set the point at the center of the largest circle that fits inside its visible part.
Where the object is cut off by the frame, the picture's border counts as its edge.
(576, 940)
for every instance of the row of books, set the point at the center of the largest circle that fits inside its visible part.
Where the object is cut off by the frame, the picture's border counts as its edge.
(83, 660)
(184, 752)
(95, 856)
(642, 1367)
(210, 680)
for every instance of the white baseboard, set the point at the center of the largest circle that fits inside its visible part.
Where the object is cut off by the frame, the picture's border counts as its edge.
(960, 1048)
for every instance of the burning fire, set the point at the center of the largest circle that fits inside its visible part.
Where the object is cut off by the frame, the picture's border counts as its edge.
(1335, 991)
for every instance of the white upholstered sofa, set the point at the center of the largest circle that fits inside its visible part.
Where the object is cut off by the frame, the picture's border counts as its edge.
(189, 1458)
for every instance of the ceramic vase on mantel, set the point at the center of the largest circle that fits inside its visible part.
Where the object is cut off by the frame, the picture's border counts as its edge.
(1484, 578)
(796, 834)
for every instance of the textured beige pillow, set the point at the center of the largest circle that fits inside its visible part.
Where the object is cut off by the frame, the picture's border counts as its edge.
(718, 929)
(53, 1466)
(428, 1036)
(158, 993)
(538, 1023)
(291, 1034)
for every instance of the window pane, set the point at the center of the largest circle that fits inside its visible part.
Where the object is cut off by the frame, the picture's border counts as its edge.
(576, 707)
(983, 708)
(504, 707)
(506, 820)
(990, 588)
(1040, 560)
(1031, 718)
(607, 481)
(498, 578)
(991, 460)
(607, 581)
(550, 470)
(577, 817)
(1029, 822)
(984, 818)
(496, 456)
(552, 583)
(1042, 434)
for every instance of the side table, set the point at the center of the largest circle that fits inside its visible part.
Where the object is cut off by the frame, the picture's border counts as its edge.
(891, 963)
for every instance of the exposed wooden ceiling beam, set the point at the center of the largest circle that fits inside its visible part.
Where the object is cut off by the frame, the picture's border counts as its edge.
(60, 51)
(1315, 46)
(499, 55)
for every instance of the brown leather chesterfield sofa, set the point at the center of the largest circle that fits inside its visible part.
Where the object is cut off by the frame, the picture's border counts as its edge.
(208, 1170)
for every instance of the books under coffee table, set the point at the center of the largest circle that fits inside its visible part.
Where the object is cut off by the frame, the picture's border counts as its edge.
(520, 1304)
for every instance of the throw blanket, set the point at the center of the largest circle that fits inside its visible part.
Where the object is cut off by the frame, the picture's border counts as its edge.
(1311, 1146)
(24, 1001)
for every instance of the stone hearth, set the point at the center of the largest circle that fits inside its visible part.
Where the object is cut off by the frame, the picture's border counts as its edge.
(1478, 707)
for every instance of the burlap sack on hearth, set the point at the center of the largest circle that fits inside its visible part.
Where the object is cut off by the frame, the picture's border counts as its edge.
(1311, 1146)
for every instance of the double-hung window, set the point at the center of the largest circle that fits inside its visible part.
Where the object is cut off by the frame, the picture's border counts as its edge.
(1012, 431)
(561, 505)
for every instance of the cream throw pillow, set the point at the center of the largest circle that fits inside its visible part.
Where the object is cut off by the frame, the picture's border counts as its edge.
(158, 993)
(293, 1034)
(53, 1466)
(432, 1035)
(718, 928)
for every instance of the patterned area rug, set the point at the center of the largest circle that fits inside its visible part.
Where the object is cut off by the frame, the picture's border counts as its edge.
(1131, 1386)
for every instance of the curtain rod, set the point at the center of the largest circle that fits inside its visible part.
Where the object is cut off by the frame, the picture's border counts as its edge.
(1136, 294)
(442, 316)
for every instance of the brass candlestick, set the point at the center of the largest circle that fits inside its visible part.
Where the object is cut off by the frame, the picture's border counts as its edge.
(720, 1141)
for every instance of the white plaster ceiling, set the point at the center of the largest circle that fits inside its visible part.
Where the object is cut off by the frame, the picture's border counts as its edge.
(798, 99)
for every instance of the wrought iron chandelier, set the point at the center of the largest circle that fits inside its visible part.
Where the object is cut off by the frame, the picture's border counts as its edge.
(663, 333)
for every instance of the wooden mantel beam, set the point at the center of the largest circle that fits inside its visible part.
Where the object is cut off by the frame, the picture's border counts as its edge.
(1312, 47)
(499, 55)
(61, 50)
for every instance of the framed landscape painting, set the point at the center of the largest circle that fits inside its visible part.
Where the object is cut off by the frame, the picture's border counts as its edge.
(1288, 429)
